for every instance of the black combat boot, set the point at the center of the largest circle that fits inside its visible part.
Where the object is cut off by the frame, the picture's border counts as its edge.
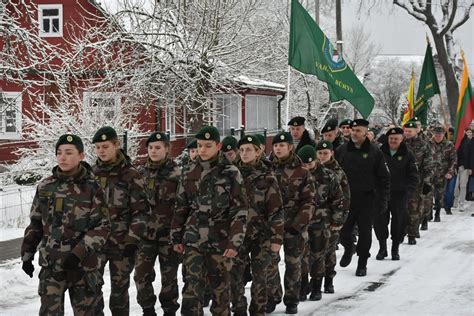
(291, 309)
(424, 224)
(149, 311)
(347, 256)
(437, 218)
(316, 290)
(411, 240)
(328, 286)
(395, 247)
(361, 267)
(270, 307)
(382, 254)
(304, 289)
(448, 211)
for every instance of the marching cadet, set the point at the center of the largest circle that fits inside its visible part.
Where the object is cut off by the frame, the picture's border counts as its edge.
(445, 159)
(229, 148)
(69, 224)
(299, 133)
(208, 224)
(264, 228)
(128, 212)
(326, 156)
(161, 176)
(298, 192)
(345, 129)
(329, 215)
(192, 150)
(369, 181)
(330, 133)
(404, 180)
(424, 162)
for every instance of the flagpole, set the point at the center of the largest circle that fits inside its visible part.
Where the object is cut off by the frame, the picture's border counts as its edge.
(288, 97)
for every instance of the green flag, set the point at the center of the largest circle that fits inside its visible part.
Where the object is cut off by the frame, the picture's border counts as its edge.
(311, 53)
(427, 87)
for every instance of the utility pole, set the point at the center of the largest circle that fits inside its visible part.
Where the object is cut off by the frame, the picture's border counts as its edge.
(339, 41)
(316, 11)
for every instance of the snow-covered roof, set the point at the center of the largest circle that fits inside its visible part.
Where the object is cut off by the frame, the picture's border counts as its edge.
(258, 83)
(408, 59)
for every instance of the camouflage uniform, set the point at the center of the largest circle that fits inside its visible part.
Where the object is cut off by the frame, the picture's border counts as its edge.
(67, 217)
(424, 162)
(298, 193)
(161, 181)
(210, 216)
(264, 226)
(128, 212)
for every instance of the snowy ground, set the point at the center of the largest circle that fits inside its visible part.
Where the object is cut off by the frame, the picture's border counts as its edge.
(435, 277)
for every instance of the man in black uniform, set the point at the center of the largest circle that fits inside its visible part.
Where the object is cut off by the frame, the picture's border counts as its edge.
(330, 133)
(345, 128)
(369, 181)
(299, 133)
(404, 179)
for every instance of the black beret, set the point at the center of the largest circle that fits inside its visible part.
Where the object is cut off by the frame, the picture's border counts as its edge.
(330, 126)
(394, 131)
(438, 130)
(103, 134)
(282, 137)
(297, 121)
(70, 139)
(410, 124)
(307, 154)
(324, 144)
(345, 122)
(415, 119)
(157, 136)
(360, 122)
(261, 139)
(249, 139)
(229, 143)
(192, 144)
(208, 133)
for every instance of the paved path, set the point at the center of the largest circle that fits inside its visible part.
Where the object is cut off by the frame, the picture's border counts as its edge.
(10, 249)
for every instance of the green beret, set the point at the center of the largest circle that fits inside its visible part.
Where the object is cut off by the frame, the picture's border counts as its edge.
(415, 119)
(249, 139)
(192, 144)
(297, 121)
(208, 133)
(156, 137)
(307, 153)
(282, 137)
(394, 131)
(438, 130)
(360, 122)
(410, 124)
(103, 134)
(330, 126)
(70, 139)
(261, 139)
(229, 143)
(345, 122)
(324, 144)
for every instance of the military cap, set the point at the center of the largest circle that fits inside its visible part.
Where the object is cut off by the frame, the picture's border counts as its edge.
(103, 134)
(410, 124)
(360, 122)
(70, 139)
(157, 136)
(324, 144)
(330, 126)
(297, 121)
(394, 131)
(307, 153)
(415, 119)
(345, 122)
(249, 139)
(261, 139)
(208, 133)
(192, 144)
(229, 143)
(438, 130)
(282, 137)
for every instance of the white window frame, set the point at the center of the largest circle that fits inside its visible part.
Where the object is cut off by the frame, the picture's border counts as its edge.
(216, 116)
(17, 96)
(117, 97)
(248, 112)
(42, 7)
(170, 116)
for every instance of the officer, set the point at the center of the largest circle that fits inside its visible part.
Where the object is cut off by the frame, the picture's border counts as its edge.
(208, 224)
(345, 129)
(69, 223)
(299, 133)
(128, 211)
(298, 192)
(369, 181)
(229, 148)
(330, 133)
(404, 180)
(161, 176)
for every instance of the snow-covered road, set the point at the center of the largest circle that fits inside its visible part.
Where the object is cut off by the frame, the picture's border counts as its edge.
(435, 277)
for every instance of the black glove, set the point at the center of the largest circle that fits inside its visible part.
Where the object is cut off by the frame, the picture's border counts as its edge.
(130, 250)
(71, 262)
(163, 233)
(426, 189)
(28, 267)
(292, 231)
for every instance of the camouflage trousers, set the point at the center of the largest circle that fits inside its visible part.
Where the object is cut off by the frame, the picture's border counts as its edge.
(293, 247)
(145, 274)
(439, 187)
(83, 287)
(259, 249)
(203, 267)
(120, 269)
(415, 212)
(428, 206)
(318, 260)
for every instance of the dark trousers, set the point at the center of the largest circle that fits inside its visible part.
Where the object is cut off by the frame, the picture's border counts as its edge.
(396, 214)
(360, 212)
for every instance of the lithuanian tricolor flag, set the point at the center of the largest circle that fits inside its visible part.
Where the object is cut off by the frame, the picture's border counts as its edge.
(411, 100)
(465, 109)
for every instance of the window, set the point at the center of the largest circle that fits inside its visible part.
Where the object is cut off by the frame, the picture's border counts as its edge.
(50, 19)
(10, 115)
(170, 122)
(102, 105)
(228, 112)
(261, 112)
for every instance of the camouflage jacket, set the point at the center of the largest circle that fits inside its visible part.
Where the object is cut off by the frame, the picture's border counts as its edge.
(126, 200)
(343, 182)
(211, 207)
(265, 217)
(161, 182)
(67, 215)
(329, 199)
(423, 158)
(444, 158)
(297, 190)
